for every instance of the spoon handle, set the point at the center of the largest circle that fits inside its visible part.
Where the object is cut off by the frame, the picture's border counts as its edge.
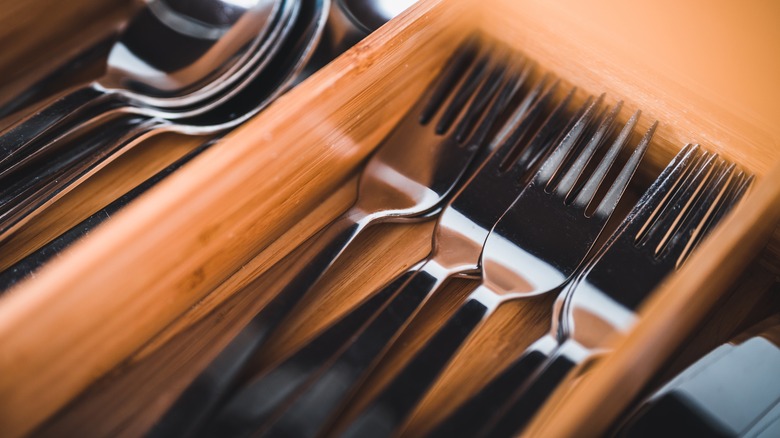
(24, 194)
(31, 137)
(34, 261)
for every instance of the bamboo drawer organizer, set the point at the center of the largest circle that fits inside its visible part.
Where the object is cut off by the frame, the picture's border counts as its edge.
(102, 339)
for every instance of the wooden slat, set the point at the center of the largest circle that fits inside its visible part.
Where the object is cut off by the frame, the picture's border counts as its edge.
(700, 68)
(110, 293)
(38, 36)
(128, 316)
(130, 398)
(591, 404)
(108, 184)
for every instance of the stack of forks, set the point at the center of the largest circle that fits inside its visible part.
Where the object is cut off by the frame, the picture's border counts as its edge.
(523, 175)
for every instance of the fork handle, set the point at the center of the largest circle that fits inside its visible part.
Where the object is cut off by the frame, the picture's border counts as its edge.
(323, 398)
(471, 416)
(196, 404)
(28, 138)
(526, 401)
(387, 412)
(253, 403)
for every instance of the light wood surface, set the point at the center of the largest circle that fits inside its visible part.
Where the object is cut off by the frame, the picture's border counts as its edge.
(108, 184)
(673, 72)
(90, 309)
(137, 392)
(666, 320)
(39, 36)
(104, 338)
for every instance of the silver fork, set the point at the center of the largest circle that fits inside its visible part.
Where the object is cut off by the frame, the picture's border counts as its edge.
(329, 386)
(687, 200)
(533, 249)
(409, 176)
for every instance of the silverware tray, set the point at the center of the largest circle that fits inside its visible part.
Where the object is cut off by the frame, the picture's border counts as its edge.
(102, 340)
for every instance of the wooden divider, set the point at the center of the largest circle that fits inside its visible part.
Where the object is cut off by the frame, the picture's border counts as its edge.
(112, 292)
(113, 330)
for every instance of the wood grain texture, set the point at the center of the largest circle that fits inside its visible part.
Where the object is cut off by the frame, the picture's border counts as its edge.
(109, 294)
(666, 320)
(111, 332)
(119, 177)
(40, 35)
(130, 398)
(639, 53)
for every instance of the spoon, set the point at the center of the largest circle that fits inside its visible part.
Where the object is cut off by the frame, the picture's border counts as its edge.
(31, 192)
(370, 15)
(173, 53)
(100, 114)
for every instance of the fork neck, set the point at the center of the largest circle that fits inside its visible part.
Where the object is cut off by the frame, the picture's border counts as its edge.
(364, 217)
(359, 217)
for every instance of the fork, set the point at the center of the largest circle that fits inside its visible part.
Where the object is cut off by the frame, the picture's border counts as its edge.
(411, 173)
(533, 249)
(687, 200)
(458, 241)
(329, 386)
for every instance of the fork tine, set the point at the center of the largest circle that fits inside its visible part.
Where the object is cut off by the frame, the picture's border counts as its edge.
(653, 199)
(554, 163)
(682, 241)
(553, 127)
(615, 192)
(521, 135)
(513, 84)
(736, 188)
(523, 116)
(589, 189)
(566, 184)
(679, 204)
(451, 74)
(498, 73)
(460, 97)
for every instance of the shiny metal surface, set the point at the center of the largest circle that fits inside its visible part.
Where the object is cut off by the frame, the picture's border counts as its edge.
(533, 249)
(26, 194)
(173, 54)
(686, 201)
(185, 50)
(371, 14)
(650, 246)
(409, 175)
(34, 261)
(457, 244)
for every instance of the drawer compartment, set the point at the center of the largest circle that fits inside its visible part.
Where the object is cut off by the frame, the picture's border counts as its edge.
(165, 282)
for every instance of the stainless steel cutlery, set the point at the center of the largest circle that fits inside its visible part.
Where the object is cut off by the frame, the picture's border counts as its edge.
(29, 190)
(173, 54)
(534, 248)
(409, 176)
(684, 203)
(521, 172)
(524, 222)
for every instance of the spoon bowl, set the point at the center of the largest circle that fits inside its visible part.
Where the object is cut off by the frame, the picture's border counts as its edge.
(176, 52)
(24, 197)
(173, 54)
